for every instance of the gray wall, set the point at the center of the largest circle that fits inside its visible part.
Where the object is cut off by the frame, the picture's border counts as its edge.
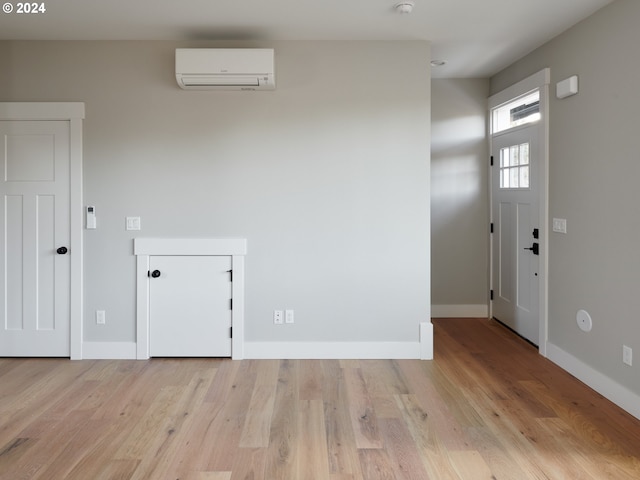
(593, 181)
(459, 192)
(327, 177)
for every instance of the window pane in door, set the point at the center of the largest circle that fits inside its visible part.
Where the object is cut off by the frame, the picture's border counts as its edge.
(514, 167)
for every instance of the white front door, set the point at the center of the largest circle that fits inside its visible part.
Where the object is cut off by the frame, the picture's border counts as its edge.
(190, 306)
(34, 247)
(516, 236)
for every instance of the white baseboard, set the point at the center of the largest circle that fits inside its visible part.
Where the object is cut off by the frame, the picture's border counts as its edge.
(332, 350)
(294, 350)
(459, 311)
(109, 350)
(426, 341)
(613, 391)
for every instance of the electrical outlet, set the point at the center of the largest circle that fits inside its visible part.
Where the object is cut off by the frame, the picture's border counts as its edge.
(288, 316)
(278, 317)
(627, 355)
(100, 317)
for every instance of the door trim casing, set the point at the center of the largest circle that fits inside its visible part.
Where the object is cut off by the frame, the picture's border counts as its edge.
(74, 113)
(540, 81)
(143, 248)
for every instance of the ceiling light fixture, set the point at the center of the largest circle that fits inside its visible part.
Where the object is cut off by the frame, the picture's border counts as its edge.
(438, 63)
(406, 6)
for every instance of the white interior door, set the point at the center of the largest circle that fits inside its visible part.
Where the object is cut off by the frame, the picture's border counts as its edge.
(516, 242)
(190, 306)
(35, 280)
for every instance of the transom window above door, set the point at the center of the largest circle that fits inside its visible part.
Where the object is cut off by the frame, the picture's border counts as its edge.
(514, 167)
(521, 111)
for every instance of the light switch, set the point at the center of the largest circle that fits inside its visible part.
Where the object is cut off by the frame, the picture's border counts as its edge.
(133, 223)
(560, 225)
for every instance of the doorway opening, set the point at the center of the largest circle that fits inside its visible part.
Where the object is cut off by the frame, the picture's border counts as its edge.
(519, 207)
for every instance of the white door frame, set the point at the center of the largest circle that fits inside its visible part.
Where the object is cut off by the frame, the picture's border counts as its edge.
(539, 81)
(143, 248)
(73, 112)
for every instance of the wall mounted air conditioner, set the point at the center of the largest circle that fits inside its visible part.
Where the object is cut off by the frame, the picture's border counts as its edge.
(225, 68)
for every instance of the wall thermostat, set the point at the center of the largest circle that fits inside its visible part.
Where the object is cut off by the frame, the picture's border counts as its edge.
(91, 218)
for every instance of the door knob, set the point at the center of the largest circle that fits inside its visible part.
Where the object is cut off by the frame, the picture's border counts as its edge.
(535, 248)
(62, 250)
(155, 273)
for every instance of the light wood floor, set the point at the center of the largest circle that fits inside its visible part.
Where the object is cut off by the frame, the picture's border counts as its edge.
(487, 407)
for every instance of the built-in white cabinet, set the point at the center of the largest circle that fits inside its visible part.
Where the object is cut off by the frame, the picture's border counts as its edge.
(190, 297)
(190, 306)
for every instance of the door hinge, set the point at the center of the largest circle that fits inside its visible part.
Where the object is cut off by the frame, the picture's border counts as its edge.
(492, 160)
(491, 227)
(230, 332)
(491, 294)
(230, 272)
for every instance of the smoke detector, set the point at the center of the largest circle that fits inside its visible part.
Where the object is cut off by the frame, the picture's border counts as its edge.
(406, 6)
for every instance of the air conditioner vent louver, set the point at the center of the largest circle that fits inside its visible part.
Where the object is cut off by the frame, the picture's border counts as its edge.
(225, 68)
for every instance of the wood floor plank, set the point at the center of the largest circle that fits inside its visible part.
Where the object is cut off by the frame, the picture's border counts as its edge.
(376, 464)
(37, 460)
(189, 453)
(361, 409)
(13, 451)
(114, 470)
(99, 459)
(143, 431)
(282, 453)
(256, 429)
(445, 426)
(470, 465)
(164, 452)
(313, 457)
(341, 446)
(403, 453)
(522, 448)
(311, 380)
(249, 464)
(79, 446)
(50, 381)
(422, 429)
(209, 476)
(583, 424)
(495, 453)
(229, 423)
(384, 381)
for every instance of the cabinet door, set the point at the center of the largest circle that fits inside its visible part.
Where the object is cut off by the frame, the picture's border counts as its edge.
(190, 306)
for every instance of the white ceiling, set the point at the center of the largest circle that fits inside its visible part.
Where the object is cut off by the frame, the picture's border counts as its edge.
(476, 38)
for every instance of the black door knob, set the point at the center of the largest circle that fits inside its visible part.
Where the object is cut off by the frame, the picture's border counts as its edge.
(155, 273)
(535, 248)
(62, 250)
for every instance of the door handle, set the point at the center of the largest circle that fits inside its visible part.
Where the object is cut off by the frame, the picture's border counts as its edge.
(62, 250)
(155, 273)
(535, 248)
